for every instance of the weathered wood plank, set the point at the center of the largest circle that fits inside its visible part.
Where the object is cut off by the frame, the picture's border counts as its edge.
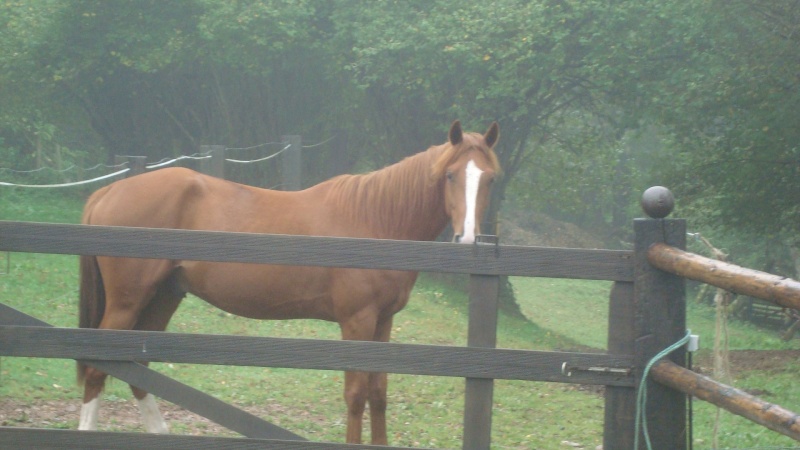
(620, 401)
(482, 333)
(90, 344)
(173, 391)
(43, 439)
(729, 398)
(776, 289)
(316, 251)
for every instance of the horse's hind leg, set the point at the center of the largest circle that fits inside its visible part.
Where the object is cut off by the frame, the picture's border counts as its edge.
(127, 306)
(95, 379)
(155, 317)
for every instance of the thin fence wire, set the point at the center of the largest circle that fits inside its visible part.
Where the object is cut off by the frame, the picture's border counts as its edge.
(254, 146)
(259, 159)
(61, 185)
(156, 165)
(163, 163)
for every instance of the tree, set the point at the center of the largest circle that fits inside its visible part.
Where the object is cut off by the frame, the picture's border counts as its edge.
(569, 81)
(736, 163)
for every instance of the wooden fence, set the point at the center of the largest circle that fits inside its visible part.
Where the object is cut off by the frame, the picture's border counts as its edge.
(646, 315)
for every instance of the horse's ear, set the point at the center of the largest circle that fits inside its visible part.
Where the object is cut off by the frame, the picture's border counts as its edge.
(492, 134)
(456, 135)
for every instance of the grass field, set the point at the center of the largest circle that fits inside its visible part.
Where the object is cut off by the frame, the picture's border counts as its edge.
(423, 411)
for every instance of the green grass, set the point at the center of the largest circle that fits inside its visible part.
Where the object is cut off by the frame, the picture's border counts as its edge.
(33, 205)
(557, 305)
(423, 411)
(578, 310)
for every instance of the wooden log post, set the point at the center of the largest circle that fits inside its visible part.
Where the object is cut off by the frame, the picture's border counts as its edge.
(730, 277)
(135, 163)
(652, 313)
(292, 163)
(215, 165)
(729, 398)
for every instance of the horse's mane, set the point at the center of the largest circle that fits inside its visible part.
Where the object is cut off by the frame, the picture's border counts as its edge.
(385, 200)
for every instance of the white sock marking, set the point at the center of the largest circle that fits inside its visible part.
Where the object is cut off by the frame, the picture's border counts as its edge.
(151, 416)
(473, 183)
(89, 415)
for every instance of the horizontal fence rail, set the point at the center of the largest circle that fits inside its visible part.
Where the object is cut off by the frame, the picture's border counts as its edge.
(481, 259)
(173, 391)
(754, 283)
(91, 344)
(729, 398)
(115, 352)
(41, 439)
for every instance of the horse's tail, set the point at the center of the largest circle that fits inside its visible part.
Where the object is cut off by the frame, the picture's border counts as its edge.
(92, 303)
(92, 300)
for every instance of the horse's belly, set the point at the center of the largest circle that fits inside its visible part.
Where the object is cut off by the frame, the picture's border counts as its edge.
(260, 291)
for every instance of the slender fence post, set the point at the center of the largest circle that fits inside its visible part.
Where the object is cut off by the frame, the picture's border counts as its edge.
(659, 321)
(135, 163)
(620, 401)
(338, 162)
(292, 163)
(479, 392)
(214, 166)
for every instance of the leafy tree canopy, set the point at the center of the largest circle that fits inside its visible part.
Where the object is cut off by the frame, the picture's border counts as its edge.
(596, 99)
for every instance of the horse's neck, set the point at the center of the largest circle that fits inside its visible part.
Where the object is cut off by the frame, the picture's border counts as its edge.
(422, 221)
(397, 202)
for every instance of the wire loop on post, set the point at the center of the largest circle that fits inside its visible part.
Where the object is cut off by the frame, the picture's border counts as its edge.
(641, 395)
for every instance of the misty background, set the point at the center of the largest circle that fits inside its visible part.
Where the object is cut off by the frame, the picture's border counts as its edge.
(596, 100)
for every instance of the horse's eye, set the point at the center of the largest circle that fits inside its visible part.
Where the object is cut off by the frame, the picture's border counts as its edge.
(449, 175)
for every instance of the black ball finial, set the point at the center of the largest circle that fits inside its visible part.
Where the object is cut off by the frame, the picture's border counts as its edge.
(658, 202)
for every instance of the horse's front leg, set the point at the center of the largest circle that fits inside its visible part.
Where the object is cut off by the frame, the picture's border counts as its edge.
(361, 387)
(377, 407)
(378, 383)
(355, 395)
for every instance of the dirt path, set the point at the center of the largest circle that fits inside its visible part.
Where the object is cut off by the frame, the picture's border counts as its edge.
(748, 360)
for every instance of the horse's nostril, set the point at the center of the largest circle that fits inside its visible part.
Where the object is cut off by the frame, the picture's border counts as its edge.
(457, 238)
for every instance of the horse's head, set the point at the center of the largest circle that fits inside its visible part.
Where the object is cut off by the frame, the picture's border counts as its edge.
(467, 169)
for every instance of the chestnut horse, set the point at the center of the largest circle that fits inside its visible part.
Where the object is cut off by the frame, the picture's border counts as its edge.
(414, 199)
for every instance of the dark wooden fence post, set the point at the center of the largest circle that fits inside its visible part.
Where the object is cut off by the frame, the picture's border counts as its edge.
(135, 163)
(214, 166)
(620, 401)
(292, 163)
(645, 317)
(659, 321)
(482, 332)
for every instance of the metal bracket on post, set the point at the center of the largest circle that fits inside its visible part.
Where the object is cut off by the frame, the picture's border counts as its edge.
(486, 240)
(567, 369)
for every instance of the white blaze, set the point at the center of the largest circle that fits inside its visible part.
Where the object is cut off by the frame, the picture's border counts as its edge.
(151, 416)
(89, 415)
(473, 183)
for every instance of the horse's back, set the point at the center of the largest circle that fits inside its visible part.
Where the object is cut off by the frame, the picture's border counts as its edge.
(169, 198)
